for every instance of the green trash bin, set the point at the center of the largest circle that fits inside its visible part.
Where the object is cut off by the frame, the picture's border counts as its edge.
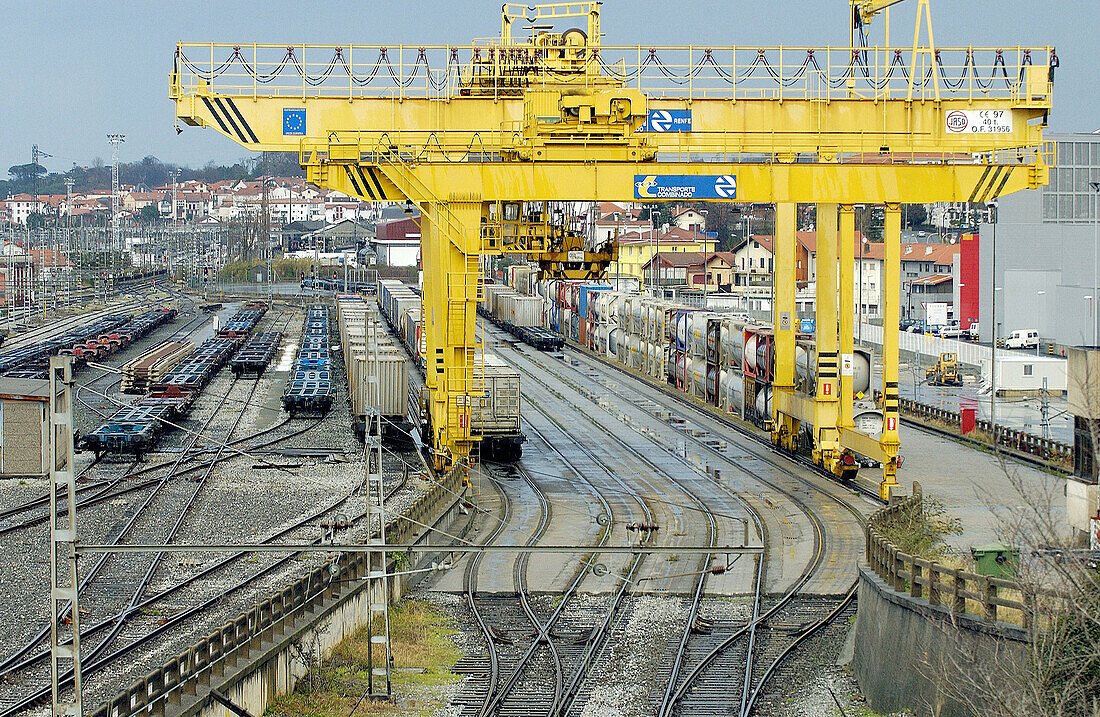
(996, 560)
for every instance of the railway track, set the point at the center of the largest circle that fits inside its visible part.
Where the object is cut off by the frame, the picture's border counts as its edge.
(711, 659)
(111, 628)
(578, 655)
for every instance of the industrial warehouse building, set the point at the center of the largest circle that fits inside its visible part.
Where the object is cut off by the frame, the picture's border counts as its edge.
(24, 427)
(1046, 250)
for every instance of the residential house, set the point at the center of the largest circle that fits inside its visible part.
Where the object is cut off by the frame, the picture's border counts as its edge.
(721, 270)
(689, 219)
(636, 249)
(134, 202)
(609, 220)
(21, 206)
(672, 268)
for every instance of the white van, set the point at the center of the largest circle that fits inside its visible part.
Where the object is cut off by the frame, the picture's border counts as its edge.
(1022, 339)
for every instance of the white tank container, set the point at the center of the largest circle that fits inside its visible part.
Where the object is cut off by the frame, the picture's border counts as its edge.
(868, 421)
(697, 333)
(764, 402)
(750, 352)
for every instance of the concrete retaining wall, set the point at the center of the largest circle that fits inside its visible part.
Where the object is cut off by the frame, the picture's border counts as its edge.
(905, 647)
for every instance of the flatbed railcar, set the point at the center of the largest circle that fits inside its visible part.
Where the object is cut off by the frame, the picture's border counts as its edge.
(37, 355)
(309, 389)
(242, 322)
(256, 354)
(136, 428)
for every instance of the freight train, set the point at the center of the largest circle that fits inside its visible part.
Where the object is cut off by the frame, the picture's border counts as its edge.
(136, 428)
(309, 389)
(94, 340)
(369, 350)
(519, 315)
(722, 358)
(496, 416)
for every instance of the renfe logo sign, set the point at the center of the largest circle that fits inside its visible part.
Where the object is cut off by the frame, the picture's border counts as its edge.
(667, 121)
(685, 186)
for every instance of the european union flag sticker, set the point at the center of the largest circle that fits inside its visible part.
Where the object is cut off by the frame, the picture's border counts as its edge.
(294, 121)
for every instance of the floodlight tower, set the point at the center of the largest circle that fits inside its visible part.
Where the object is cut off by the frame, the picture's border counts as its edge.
(115, 139)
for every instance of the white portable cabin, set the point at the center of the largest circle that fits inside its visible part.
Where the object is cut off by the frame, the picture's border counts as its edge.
(1022, 375)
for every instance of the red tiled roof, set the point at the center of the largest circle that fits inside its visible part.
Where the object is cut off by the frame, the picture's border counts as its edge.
(679, 258)
(931, 280)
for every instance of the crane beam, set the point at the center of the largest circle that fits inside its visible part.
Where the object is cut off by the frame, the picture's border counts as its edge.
(624, 182)
(456, 130)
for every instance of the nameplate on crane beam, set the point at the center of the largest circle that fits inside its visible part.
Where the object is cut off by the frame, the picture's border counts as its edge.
(685, 186)
(294, 121)
(667, 121)
(978, 122)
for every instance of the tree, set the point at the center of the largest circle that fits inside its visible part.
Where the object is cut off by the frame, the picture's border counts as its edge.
(869, 222)
(149, 214)
(26, 172)
(915, 215)
(36, 220)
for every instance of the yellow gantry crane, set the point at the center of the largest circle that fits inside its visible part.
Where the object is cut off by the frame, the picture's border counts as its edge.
(481, 136)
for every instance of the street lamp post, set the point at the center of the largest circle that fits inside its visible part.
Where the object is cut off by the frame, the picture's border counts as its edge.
(706, 274)
(993, 327)
(655, 241)
(1042, 319)
(1095, 186)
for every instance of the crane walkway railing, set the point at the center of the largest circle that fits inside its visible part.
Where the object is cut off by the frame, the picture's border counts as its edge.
(1020, 74)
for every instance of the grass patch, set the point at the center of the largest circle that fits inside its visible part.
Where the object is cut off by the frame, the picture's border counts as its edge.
(423, 654)
(923, 529)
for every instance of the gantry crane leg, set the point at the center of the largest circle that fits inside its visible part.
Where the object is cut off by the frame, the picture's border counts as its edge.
(891, 315)
(846, 260)
(826, 449)
(785, 426)
(450, 251)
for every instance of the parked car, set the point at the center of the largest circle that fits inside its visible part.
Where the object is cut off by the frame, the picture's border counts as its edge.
(904, 324)
(974, 331)
(917, 327)
(1022, 339)
(951, 331)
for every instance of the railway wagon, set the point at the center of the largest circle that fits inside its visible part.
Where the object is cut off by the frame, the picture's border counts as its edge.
(309, 388)
(722, 358)
(494, 416)
(136, 428)
(242, 322)
(140, 372)
(256, 354)
(35, 357)
(369, 350)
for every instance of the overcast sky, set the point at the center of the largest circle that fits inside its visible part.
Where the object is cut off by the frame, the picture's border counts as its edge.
(70, 72)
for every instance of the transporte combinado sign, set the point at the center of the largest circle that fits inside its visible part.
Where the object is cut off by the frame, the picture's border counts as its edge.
(685, 186)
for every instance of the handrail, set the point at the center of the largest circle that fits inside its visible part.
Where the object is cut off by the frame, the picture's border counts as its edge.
(1045, 448)
(960, 591)
(1021, 74)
